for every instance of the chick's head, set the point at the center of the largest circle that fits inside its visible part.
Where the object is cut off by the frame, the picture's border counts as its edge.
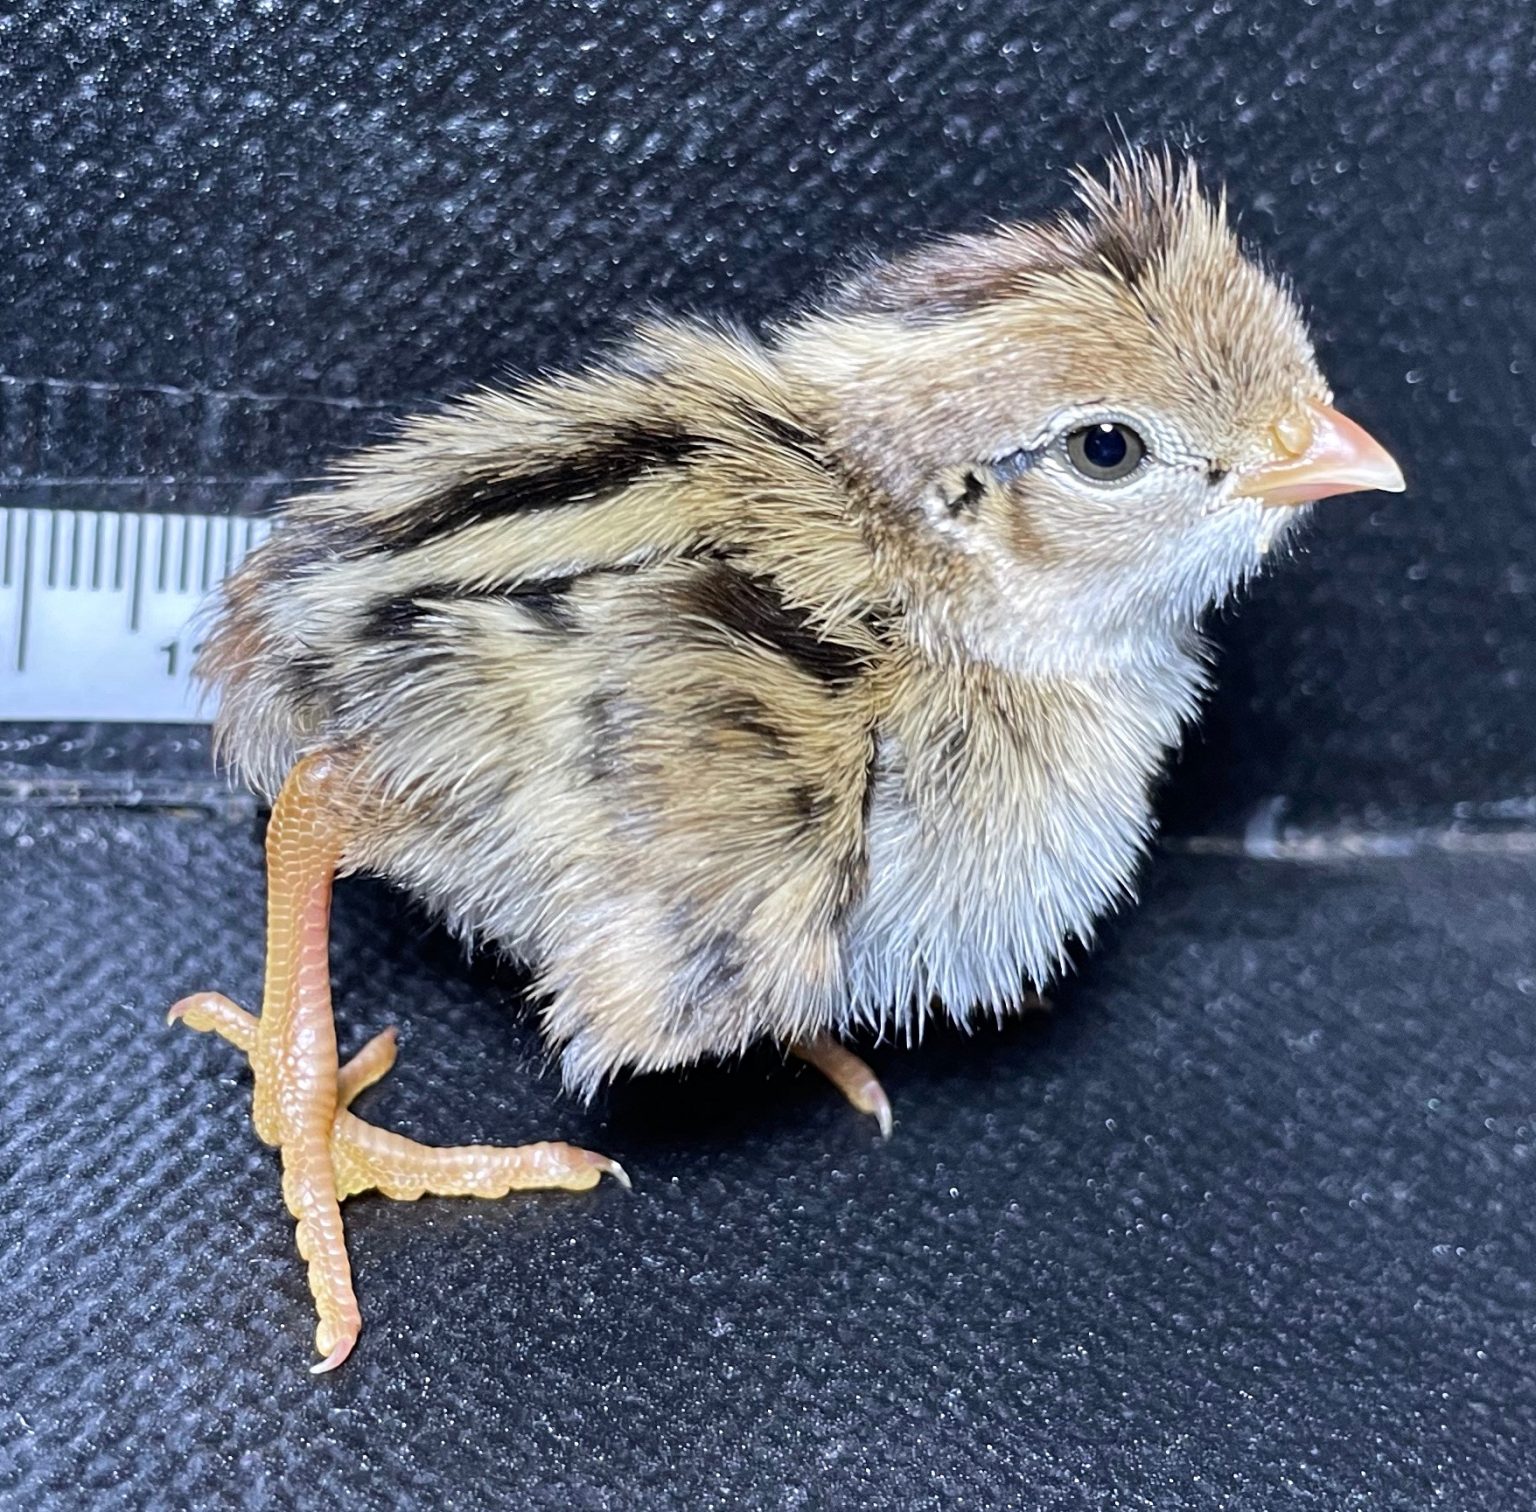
(1086, 425)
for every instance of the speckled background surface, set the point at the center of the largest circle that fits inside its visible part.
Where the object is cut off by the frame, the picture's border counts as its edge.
(1245, 1223)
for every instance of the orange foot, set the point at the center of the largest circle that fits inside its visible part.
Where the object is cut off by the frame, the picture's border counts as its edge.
(366, 1158)
(302, 1095)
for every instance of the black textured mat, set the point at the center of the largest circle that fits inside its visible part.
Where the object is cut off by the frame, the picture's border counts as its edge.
(1246, 1222)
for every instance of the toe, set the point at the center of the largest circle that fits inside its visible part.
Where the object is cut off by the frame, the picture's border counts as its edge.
(212, 1012)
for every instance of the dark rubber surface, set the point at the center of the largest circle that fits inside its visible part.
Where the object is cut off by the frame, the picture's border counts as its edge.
(1247, 1222)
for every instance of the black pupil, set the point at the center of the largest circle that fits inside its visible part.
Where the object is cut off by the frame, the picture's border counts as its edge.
(1105, 446)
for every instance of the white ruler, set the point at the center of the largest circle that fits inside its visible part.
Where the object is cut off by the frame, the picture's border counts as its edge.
(95, 610)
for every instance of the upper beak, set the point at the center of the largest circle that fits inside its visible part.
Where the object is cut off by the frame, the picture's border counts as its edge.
(1315, 453)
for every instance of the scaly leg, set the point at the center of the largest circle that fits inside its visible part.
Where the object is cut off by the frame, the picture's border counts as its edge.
(849, 1075)
(302, 1095)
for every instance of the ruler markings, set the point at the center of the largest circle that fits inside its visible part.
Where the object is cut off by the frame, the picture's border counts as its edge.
(205, 562)
(24, 607)
(119, 538)
(136, 598)
(99, 628)
(184, 556)
(162, 529)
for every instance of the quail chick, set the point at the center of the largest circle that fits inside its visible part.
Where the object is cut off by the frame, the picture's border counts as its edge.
(769, 688)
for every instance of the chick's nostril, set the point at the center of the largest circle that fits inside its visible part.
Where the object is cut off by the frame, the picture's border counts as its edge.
(1294, 434)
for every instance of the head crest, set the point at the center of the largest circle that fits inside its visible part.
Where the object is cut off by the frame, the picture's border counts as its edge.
(1147, 206)
(1146, 209)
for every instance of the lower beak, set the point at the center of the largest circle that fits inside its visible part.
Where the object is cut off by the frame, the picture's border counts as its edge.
(1315, 454)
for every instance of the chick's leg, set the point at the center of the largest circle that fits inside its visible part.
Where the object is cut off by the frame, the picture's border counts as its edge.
(294, 1054)
(301, 1092)
(849, 1075)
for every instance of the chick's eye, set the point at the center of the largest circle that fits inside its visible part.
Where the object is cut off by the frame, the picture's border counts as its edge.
(1105, 451)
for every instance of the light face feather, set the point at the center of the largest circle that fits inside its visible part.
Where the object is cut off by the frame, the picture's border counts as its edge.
(749, 688)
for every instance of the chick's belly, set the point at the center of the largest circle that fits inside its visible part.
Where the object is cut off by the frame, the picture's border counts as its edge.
(966, 913)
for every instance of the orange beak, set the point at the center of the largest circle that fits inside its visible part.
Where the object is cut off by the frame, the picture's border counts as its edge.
(1318, 452)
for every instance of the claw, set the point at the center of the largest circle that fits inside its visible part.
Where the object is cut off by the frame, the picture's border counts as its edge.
(880, 1106)
(335, 1357)
(614, 1169)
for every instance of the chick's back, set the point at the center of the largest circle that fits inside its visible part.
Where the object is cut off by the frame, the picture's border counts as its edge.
(602, 657)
